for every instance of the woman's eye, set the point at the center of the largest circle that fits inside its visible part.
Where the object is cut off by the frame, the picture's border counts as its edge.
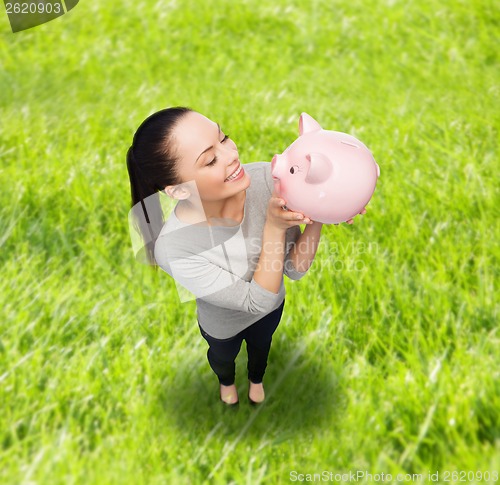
(226, 137)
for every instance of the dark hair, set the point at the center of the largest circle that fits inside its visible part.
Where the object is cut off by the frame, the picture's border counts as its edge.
(152, 165)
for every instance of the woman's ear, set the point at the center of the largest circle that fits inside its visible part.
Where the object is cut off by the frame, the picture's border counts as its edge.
(177, 192)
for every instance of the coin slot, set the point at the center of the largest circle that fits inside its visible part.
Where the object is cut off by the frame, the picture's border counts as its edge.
(350, 144)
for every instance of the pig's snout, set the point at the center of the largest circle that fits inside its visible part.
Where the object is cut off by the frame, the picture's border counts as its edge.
(277, 167)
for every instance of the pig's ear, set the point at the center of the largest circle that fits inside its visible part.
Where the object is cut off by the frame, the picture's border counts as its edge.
(307, 123)
(320, 168)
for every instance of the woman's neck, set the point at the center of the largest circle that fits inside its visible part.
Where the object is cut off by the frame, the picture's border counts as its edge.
(200, 211)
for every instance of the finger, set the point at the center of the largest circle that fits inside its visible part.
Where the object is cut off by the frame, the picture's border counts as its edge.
(281, 205)
(290, 216)
(303, 219)
(295, 216)
(277, 203)
(300, 216)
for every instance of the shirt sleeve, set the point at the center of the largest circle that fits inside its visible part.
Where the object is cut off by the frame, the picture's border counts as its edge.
(215, 285)
(292, 235)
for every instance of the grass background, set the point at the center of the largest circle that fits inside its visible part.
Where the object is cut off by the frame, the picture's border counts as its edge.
(387, 356)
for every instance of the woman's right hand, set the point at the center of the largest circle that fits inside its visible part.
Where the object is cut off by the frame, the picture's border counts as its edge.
(282, 218)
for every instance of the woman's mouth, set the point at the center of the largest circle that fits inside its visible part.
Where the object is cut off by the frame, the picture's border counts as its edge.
(236, 174)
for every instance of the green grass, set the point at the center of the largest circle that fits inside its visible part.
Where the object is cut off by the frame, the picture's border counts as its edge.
(386, 359)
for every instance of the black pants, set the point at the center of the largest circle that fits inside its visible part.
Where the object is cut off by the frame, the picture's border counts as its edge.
(258, 336)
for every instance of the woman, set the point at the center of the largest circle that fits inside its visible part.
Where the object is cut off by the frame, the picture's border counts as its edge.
(229, 240)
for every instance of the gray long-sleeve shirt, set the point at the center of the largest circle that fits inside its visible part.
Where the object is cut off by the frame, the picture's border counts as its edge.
(216, 263)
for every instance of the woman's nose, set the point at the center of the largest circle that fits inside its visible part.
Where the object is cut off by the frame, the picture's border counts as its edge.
(231, 153)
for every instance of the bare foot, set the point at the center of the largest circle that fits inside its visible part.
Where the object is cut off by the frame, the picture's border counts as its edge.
(256, 392)
(229, 394)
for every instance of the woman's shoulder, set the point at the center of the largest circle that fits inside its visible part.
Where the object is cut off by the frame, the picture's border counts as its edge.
(258, 166)
(261, 173)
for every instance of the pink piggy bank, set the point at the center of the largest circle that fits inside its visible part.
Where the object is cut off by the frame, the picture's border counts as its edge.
(329, 176)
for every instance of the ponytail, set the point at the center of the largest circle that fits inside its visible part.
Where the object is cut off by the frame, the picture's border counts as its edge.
(151, 167)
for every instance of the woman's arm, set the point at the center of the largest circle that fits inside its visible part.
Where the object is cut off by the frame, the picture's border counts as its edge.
(208, 281)
(269, 272)
(303, 251)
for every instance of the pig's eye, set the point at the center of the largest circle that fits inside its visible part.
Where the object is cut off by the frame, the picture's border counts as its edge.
(293, 169)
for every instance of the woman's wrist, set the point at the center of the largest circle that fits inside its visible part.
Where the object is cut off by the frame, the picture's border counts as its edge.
(273, 231)
(315, 227)
(304, 250)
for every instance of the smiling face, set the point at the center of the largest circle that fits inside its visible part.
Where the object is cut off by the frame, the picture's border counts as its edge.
(208, 156)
